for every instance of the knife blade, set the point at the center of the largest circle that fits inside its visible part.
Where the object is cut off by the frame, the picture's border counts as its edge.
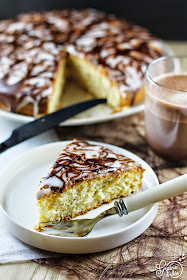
(46, 122)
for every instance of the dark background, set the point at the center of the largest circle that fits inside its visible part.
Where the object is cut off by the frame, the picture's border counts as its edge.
(166, 19)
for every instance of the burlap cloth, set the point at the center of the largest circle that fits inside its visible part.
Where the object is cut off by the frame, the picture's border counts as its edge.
(165, 240)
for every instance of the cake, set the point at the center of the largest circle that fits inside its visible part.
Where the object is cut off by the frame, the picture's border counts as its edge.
(83, 177)
(39, 51)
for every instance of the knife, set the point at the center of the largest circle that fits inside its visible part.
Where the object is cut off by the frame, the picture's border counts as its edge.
(46, 122)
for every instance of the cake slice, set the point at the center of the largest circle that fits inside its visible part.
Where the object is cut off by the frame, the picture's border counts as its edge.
(83, 177)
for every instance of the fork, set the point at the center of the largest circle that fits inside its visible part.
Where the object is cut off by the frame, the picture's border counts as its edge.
(81, 227)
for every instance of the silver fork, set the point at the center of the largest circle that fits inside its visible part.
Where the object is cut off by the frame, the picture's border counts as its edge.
(75, 228)
(81, 227)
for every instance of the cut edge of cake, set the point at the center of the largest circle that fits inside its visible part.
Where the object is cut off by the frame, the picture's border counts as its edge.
(93, 195)
(96, 81)
(58, 86)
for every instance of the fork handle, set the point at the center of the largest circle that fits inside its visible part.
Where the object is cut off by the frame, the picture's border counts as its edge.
(156, 194)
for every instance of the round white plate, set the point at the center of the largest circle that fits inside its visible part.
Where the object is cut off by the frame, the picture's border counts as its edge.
(19, 183)
(100, 113)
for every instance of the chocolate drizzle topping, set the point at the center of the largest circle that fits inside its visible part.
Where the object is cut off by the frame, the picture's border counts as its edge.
(82, 161)
(31, 46)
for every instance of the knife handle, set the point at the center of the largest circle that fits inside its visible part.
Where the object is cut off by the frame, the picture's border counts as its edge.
(155, 194)
(3, 147)
(11, 141)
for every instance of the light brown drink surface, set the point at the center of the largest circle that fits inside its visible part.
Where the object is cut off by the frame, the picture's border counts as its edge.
(166, 116)
(173, 81)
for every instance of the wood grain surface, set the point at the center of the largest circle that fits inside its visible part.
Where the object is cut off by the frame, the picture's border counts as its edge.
(129, 134)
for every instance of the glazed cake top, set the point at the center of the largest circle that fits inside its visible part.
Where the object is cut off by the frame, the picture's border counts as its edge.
(82, 161)
(32, 44)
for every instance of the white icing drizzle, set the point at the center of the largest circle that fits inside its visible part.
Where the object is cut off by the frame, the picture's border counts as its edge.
(52, 181)
(106, 52)
(47, 92)
(85, 41)
(17, 26)
(113, 61)
(133, 78)
(18, 72)
(38, 82)
(124, 46)
(60, 23)
(81, 161)
(7, 38)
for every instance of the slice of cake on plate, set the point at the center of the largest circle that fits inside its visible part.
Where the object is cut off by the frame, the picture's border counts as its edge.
(83, 177)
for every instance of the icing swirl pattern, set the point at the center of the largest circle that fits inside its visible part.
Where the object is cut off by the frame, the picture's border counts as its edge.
(31, 46)
(82, 161)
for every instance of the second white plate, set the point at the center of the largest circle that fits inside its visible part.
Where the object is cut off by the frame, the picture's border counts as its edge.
(19, 183)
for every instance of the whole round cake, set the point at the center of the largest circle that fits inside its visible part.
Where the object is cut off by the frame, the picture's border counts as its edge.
(39, 51)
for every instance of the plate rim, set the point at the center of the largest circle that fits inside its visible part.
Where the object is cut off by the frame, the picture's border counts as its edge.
(28, 153)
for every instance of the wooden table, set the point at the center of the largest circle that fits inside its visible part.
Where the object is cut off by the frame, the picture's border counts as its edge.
(128, 133)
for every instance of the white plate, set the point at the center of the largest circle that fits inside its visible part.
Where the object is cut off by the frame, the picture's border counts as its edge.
(19, 183)
(100, 113)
